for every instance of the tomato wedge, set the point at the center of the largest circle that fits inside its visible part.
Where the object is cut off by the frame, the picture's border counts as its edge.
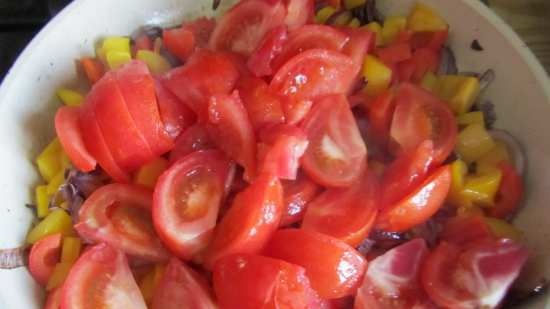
(187, 200)
(249, 223)
(43, 257)
(360, 41)
(249, 281)
(193, 139)
(202, 29)
(179, 41)
(181, 287)
(259, 63)
(297, 195)
(68, 130)
(231, 130)
(334, 268)
(242, 28)
(476, 275)
(465, 230)
(336, 155)
(509, 194)
(263, 107)
(101, 278)
(380, 114)
(175, 115)
(119, 214)
(347, 214)
(53, 301)
(298, 12)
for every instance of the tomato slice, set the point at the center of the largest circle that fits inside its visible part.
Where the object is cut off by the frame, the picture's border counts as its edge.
(392, 280)
(336, 155)
(298, 12)
(310, 37)
(175, 115)
(242, 28)
(187, 200)
(263, 107)
(360, 41)
(259, 63)
(395, 53)
(193, 139)
(477, 275)
(182, 287)
(101, 278)
(179, 41)
(347, 214)
(411, 125)
(249, 281)
(509, 194)
(231, 130)
(207, 73)
(380, 114)
(465, 230)
(68, 130)
(334, 268)
(297, 195)
(249, 223)
(119, 214)
(138, 89)
(43, 257)
(427, 39)
(202, 29)
(419, 205)
(53, 301)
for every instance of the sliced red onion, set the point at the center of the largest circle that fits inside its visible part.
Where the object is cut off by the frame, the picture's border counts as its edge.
(486, 79)
(514, 147)
(447, 65)
(489, 113)
(13, 258)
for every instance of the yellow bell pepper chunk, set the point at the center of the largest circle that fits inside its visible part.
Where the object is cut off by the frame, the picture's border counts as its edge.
(148, 174)
(459, 91)
(354, 23)
(156, 63)
(429, 81)
(71, 249)
(377, 75)
(48, 161)
(459, 170)
(473, 142)
(60, 273)
(471, 118)
(492, 158)
(482, 189)
(56, 182)
(424, 18)
(393, 25)
(324, 14)
(70, 97)
(342, 19)
(58, 221)
(116, 43)
(503, 229)
(352, 4)
(376, 28)
(42, 200)
(116, 59)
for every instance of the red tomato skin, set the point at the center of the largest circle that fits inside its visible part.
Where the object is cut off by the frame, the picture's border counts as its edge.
(297, 195)
(425, 60)
(43, 256)
(263, 107)
(380, 113)
(53, 300)
(106, 269)
(207, 73)
(179, 41)
(411, 125)
(132, 232)
(182, 287)
(359, 44)
(183, 231)
(68, 130)
(395, 53)
(509, 194)
(202, 29)
(464, 230)
(259, 63)
(243, 27)
(433, 40)
(193, 139)
(419, 205)
(325, 259)
(252, 219)
(175, 115)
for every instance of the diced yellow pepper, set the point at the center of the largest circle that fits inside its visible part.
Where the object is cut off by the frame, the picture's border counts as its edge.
(492, 158)
(56, 182)
(58, 221)
(429, 81)
(473, 142)
(377, 75)
(377, 30)
(48, 161)
(156, 63)
(324, 14)
(354, 23)
(70, 97)
(482, 189)
(459, 91)
(503, 229)
(148, 174)
(116, 43)
(342, 19)
(116, 59)
(459, 170)
(471, 118)
(42, 200)
(393, 25)
(71, 249)
(424, 18)
(60, 273)
(352, 4)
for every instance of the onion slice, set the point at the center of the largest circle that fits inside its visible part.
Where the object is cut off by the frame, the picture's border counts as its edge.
(13, 258)
(514, 147)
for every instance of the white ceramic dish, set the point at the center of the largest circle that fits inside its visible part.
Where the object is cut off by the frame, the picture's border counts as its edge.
(521, 93)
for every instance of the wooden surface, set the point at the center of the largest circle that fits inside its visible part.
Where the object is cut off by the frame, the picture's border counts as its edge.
(531, 20)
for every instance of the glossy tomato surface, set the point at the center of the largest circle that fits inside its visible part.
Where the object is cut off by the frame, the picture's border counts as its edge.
(67, 129)
(44, 255)
(297, 195)
(194, 138)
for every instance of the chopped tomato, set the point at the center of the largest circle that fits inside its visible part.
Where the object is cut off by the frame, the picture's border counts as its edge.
(425, 60)
(509, 194)
(263, 107)
(179, 41)
(194, 138)
(68, 130)
(427, 39)
(411, 125)
(464, 230)
(249, 281)
(101, 278)
(202, 29)
(336, 155)
(392, 280)
(142, 42)
(93, 69)
(175, 115)
(297, 195)
(380, 114)
(361, 40)
(182, 287)
(207, 73)
(476, 275)
(298, 12)
(334, 268)
(242, 28)
(187, 200)
(250, 222)
(53, 301)
(395, 53)
(296, 110)
(259, 63)
(231, 130)
(419, 205)
(119, 214)
(347, 214)
(44, 255)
